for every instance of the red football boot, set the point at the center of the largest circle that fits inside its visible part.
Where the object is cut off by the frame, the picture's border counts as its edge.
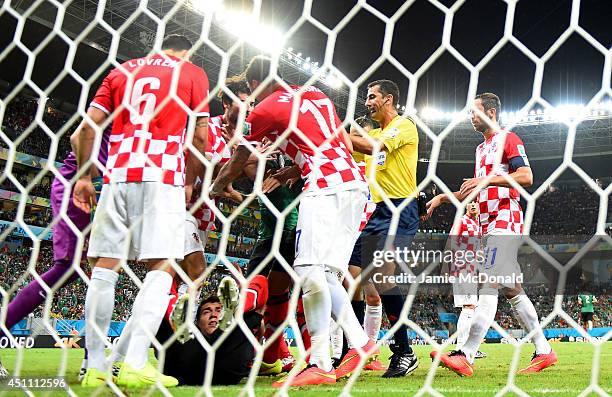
(539, 362)
(351, 359)
(455, 361)
(311, 375)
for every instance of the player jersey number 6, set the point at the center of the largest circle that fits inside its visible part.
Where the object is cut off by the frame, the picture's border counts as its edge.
(143, 114)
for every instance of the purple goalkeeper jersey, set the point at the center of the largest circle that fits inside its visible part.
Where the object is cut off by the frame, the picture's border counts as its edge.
(64, 240)
(69, 169)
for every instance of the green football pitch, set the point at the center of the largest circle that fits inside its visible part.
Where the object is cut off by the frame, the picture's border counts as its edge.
(570, 377)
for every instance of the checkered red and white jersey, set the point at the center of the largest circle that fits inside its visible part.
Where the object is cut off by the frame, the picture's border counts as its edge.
(146, 142)
(466, 239)
(331, 165)
(368, 210)
(500, 207)
(219, 151)
(217, 147)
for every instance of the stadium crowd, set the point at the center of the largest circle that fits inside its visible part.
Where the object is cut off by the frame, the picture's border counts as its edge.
(20, 115)
(428, 303)
(68, 302)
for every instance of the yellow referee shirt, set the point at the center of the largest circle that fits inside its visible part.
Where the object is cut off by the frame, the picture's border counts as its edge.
(396, 166)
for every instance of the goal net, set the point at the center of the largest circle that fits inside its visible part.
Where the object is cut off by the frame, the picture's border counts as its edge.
(54, 56)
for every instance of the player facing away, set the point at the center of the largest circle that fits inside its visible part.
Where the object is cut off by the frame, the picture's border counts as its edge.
(64, 240)
(586, 301)
(141, 212)
(329, 212)
(464, 240)
(501, 222)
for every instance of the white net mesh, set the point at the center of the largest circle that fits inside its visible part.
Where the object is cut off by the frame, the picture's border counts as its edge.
(36, 127)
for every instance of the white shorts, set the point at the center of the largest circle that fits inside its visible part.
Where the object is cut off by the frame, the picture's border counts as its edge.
(465, 294)
(328, 227)
(195, 239)
(138, 221)
(501, 263)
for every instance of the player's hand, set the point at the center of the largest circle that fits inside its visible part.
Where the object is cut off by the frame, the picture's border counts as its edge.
(227, 132)
(469, 185)
(188, 193)
(227, 192)
(84, 194)
(431, 206)
(270, 184)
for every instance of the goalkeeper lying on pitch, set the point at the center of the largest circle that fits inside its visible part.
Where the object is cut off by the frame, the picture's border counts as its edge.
(187, 361)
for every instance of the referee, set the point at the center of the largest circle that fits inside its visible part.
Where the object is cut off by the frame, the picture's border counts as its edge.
(391, 164)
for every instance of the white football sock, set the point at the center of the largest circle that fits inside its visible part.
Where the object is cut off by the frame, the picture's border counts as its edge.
(120, 348)
(99, 306)
(484, 315)
(463, 326)
(317, 311)
(336, 339)
(343, 313)
(528, 318)
(372, 321)
(147, 314)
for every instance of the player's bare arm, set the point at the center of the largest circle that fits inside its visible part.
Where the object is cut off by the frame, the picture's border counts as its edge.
(523, 176)
(194, 166)
(285, 176)
(437, 201)
(347, 139)
(365, 145)
(230, 171)
(84, 194)
(74, 143)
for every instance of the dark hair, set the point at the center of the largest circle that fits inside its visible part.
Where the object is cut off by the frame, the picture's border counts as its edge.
(208, 299)
(237, 85)
(176, 42)
(490, 101)
(258, 69)
(364, 121)
(387, 87)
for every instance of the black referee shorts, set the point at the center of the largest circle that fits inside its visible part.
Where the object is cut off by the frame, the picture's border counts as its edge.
(374, 235)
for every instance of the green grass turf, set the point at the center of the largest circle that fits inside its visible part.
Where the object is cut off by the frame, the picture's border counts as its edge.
(568, 378)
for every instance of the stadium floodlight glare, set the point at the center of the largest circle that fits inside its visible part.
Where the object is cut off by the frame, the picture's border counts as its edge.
(333, 81)
(240, 24)
(431, 113)
(561, 113)
(207, 6)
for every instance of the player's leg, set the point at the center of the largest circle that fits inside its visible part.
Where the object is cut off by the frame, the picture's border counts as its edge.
(463, 325)
(194, 265)
(277, 357)
(403, 360)
(337, 342)
(313, 233)
(64, 250)
(507, 251)
(349, 207)
(157, 226)
(373, 313)
(107, 248)
(527, 316)
(465, 297)
(587, 320)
